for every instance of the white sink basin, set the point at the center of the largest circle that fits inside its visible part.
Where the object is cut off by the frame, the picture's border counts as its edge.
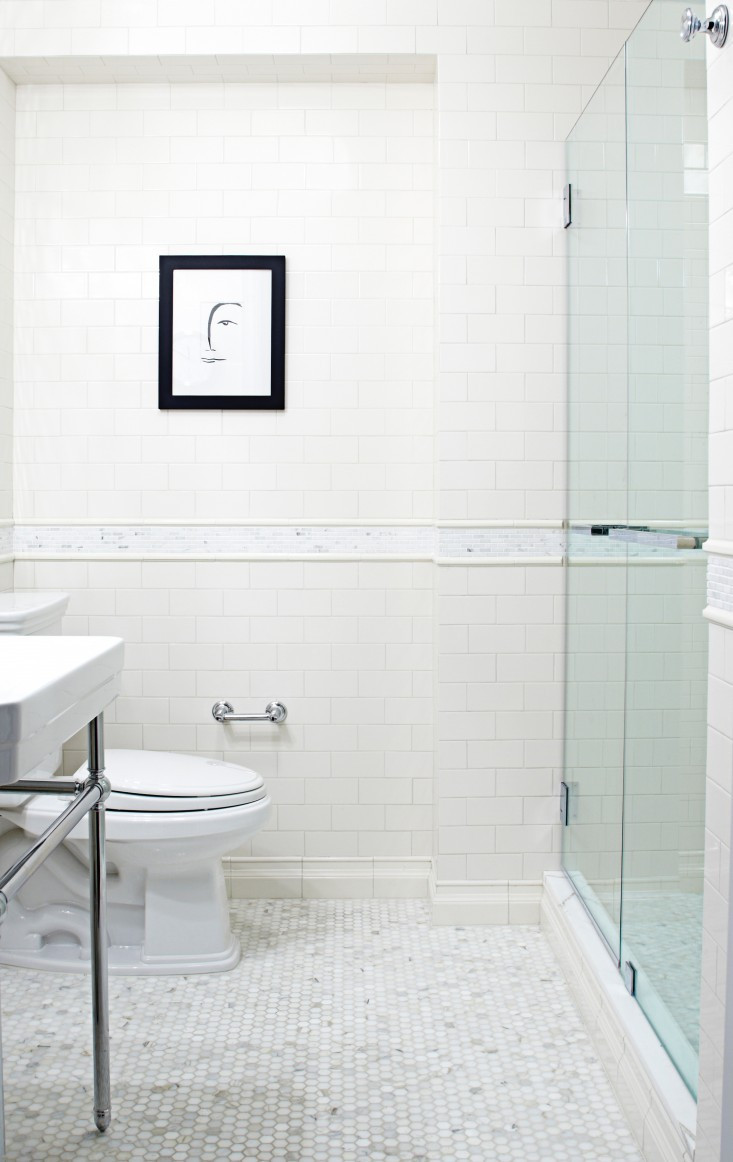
(50, 687)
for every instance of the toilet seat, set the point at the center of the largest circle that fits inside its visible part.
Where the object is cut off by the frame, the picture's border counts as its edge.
(144, 780)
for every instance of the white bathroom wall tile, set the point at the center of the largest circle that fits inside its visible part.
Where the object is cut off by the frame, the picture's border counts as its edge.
(716, 904)
(177, 640)
(151, 119)
(353, 212)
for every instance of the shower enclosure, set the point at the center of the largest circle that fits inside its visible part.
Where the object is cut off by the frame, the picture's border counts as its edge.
(636, 640)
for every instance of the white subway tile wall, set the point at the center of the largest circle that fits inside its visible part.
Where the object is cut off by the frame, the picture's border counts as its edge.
(499, 722)
(389, 200)
(346, 645)
(336, 177)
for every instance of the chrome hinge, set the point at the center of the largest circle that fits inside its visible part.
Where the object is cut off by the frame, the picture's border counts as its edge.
(567, 205)
(629, 974)
(564, 804)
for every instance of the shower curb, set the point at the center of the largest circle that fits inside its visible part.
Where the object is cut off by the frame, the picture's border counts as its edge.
(655, 1100)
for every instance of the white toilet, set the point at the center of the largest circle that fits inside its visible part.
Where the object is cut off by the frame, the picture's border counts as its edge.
(170, 819)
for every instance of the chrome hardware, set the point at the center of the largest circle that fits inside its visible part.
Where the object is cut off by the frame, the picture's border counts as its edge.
(274, 712)
(716, 25)
(89, 800)
(567, 206)
(98, 923)
(628, 973)
(44, 787)
(564, 805)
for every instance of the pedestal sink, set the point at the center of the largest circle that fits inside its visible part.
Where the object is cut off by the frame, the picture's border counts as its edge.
(50, 687)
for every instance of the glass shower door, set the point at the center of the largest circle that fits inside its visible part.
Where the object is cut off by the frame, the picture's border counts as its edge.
(636, 657)
(666, 637)
(597, 485)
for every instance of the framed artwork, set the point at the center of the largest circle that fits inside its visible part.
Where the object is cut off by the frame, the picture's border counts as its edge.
(222, 332)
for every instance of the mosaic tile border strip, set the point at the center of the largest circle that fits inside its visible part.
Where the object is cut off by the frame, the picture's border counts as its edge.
(720, 583)
(197, 540)
(427, 542)
(288, 540)
(628, 543)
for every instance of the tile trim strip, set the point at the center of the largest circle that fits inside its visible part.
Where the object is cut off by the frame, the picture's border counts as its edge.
(720, 582)
(324, 540)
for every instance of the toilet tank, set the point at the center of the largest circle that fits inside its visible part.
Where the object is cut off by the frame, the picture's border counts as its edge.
(34, 612)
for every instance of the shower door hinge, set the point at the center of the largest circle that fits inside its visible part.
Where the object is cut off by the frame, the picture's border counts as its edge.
(629, 974)
(567, 206)
(564, 804)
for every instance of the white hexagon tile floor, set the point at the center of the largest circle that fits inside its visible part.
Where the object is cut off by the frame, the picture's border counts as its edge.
(350, 1031)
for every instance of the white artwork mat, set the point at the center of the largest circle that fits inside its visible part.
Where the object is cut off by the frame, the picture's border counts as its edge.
(222, 332)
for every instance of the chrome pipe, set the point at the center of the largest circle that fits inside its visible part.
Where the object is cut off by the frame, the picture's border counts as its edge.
(90, 797)
(275, 712)
(15, 877)
(98, 927)
(43, 787)
(95, 746)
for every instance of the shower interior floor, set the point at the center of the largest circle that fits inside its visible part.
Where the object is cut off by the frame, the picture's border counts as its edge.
(349, 1031)
(663, 932)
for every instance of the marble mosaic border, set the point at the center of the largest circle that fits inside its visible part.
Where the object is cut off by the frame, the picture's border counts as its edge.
(720, 583)
(512, 543)
(413, 541)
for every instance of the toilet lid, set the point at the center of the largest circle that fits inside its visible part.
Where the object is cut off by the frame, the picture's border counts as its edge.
(148, 780)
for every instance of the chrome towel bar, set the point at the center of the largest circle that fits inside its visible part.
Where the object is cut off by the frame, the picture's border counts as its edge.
(274, 712)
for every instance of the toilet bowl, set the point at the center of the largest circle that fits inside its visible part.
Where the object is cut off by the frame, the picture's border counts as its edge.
(170, 820)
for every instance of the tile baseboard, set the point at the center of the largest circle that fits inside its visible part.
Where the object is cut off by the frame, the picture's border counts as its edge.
(452, 903)
(477, 902)
(309, 878)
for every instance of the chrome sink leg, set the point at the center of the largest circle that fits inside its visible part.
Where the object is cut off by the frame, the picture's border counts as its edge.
(98, 921)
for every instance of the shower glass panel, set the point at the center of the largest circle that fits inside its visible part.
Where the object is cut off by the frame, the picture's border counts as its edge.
(597, 467)
(636, 641)
(666, 637)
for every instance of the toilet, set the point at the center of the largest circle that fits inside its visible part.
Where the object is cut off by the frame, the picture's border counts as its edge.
(170, 820)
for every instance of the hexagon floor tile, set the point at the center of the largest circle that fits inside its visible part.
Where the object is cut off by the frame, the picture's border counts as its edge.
(350, 1031)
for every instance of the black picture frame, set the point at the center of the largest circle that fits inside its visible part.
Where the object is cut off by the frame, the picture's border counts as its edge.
(169, 394)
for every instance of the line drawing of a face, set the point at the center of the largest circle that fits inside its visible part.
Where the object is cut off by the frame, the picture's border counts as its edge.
(221, 331)
(223, 345)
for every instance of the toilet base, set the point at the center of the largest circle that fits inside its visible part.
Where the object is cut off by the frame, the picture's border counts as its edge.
(158, 923)
(124, 960)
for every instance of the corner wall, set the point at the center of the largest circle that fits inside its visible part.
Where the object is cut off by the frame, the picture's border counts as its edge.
(716, 915)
